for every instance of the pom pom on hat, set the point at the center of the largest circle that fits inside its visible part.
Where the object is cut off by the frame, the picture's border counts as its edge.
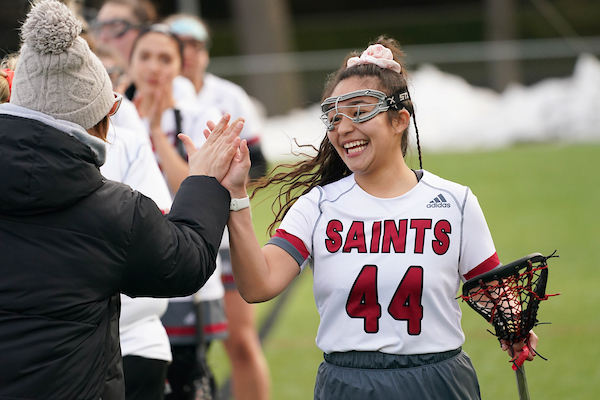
(57, 73)
(50, 28)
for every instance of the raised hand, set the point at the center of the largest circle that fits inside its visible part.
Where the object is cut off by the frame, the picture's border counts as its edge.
(236, 178)
(215, 156)
(154, 101)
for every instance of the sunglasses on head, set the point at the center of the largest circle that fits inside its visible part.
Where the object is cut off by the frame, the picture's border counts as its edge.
(116, 104)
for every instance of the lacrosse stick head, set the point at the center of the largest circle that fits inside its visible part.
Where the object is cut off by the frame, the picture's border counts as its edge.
(508, 297)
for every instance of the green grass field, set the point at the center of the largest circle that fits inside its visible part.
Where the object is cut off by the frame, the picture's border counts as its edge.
(536, 198)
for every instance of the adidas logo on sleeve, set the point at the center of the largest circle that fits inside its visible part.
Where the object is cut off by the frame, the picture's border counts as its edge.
(439, 202)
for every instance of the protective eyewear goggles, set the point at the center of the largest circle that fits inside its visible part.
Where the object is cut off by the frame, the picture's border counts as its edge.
(197, 45)
(360, 111)
(116, 104)
(115, 28)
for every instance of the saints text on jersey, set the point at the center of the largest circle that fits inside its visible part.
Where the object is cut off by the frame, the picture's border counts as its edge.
(388, 236)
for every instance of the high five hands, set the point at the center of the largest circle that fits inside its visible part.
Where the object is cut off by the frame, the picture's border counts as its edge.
(224, 155)
(237, 176)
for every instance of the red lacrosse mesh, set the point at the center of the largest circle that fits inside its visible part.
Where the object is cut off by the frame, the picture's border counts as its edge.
(509, 296)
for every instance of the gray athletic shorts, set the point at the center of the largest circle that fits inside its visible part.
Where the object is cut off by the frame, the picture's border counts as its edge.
(226, 272)
(378, 376)
(180, 321)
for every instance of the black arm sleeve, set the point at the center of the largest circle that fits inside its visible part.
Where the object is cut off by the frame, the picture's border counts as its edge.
(175, 256)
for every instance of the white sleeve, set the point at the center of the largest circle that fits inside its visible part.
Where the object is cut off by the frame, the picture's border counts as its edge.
(117, 159)
(477, 252)
(131, 161)
(301, 219)
(145, 176)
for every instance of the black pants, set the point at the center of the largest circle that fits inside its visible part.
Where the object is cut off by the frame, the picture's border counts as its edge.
(189, 376)
(144, 378)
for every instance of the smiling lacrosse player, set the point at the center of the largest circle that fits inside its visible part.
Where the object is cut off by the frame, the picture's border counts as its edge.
(388, 246)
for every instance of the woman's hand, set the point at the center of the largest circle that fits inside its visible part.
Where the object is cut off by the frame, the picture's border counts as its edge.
(152, 103)
(215, 156)
(516, 350)
(160, 101)
(237, 176)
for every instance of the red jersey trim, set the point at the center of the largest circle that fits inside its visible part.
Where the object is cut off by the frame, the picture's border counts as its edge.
(484, 267)
(181, 330)
(294, 241)
(252, 141)
(186, 331)
(227, 279)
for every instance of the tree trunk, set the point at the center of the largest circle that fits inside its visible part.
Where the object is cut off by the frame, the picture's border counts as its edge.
(501, 28)
(264, 27)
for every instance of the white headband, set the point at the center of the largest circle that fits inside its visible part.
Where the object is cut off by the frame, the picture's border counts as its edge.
(378, 55)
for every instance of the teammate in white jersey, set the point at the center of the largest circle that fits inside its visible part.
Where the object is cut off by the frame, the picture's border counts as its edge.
(388, 246)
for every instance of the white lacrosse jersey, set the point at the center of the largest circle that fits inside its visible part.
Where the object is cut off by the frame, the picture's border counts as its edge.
(386, 272)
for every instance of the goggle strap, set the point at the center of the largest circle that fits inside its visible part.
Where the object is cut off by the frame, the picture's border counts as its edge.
(395, 100)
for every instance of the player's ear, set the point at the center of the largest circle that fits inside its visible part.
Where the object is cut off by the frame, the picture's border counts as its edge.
(401, 120)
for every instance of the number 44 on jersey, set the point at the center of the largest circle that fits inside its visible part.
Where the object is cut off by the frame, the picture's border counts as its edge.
(405, 304)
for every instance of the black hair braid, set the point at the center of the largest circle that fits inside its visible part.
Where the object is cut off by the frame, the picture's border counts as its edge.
(418, 140)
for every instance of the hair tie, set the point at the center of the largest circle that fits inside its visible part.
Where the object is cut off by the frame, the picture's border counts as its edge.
(10, 74)
(376, 54)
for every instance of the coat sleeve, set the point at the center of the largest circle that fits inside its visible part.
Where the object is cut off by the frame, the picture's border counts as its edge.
(175, 255)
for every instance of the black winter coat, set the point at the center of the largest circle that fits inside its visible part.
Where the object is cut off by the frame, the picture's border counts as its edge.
(70, 241)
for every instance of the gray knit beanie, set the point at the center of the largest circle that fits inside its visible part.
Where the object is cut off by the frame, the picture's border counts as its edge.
(57, 73)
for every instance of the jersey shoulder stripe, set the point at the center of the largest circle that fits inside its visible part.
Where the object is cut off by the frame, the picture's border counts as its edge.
(291, 244)
(484, 267)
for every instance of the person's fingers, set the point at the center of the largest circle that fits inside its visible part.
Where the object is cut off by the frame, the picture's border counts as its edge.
(519, 346)
(210, 127)
(222, 124)
(190, 148)
(217, 129)
(223, 133)
(233, 148)
(532, 342)
(237, 126)
(244, 150)
(231, 134)
(156, 106)
(155, 101)
(241, 151)
(523, 350)
(232, 129)
(520, 357)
